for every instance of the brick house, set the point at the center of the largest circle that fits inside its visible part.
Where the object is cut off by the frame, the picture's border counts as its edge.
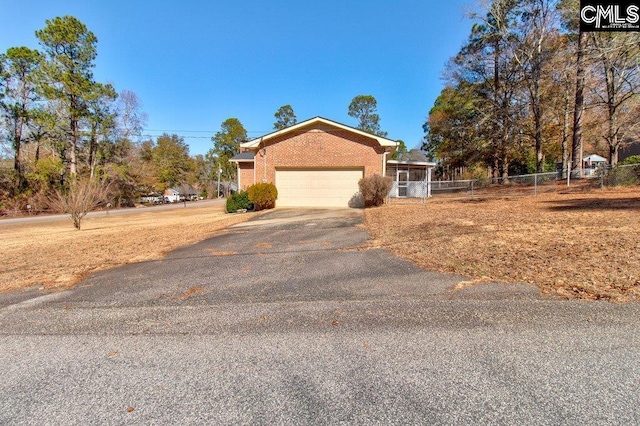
(314, 163)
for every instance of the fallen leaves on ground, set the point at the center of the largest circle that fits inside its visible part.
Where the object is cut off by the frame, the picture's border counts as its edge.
(576, 245)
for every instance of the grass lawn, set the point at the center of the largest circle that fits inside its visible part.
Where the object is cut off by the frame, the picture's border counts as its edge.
(577, 245)
(53, 254)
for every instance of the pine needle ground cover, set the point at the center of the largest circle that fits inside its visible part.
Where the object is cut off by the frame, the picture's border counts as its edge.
(577, 245)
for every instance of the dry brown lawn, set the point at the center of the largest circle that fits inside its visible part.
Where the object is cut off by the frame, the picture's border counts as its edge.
(55, 255)
(579, 245)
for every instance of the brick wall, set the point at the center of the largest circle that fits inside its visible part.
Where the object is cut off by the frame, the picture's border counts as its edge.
(245, 174)
(318, 148)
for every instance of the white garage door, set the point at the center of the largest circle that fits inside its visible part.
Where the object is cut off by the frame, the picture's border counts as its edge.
(317, 188)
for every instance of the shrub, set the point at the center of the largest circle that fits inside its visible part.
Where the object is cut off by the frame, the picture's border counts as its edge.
(263, 195)
(625, 175)
(633, 159)
(374, 189)
(81, 197)
(239, 201)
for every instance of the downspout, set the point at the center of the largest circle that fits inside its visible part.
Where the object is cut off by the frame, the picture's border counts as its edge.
(384, 163)
(264, 162)
(238, 172)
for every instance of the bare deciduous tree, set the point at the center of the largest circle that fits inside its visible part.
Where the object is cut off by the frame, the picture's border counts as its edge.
(533, 52)
(616, 56)
(80, 198)
(132, 117)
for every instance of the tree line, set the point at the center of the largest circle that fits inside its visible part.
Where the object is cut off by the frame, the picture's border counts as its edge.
(60, 127)
(528, 91)
(58, 124)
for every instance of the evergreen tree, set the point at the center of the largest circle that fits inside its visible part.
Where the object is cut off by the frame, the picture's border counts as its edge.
(364, 108)
(70, 49)
(285, 117)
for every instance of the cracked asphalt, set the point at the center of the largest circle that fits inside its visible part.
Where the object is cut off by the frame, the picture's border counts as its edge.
(288, 319)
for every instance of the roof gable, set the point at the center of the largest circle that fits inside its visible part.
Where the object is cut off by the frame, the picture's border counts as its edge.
(595, 158)
(316, 121)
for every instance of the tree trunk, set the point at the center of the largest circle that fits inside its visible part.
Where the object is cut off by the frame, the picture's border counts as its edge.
(73, 125)
(612, 138)
(576, 142)
(536, 106)
(613, 155)
(505, 169)
(498, 113)
(17, 163)
(537, 117)
(73, 161)
(538, 134)
(612, 92)
(17, 149)
(565, 133)
(93, 147)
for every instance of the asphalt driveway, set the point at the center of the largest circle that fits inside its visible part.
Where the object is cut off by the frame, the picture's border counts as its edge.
(291, 319)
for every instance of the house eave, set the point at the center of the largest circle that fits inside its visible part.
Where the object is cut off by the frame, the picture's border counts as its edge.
(243, 157)
(242, 161)
(412, 163)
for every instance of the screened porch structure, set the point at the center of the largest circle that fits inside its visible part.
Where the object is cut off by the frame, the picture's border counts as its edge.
(411, 179)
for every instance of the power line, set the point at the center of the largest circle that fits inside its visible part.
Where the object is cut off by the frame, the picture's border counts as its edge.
(180, 136)
(203, 131)
(181, 131)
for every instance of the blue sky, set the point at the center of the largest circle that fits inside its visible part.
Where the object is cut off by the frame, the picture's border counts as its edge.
(194, 64)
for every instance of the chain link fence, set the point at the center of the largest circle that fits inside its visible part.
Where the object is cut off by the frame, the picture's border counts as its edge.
(625, 175)
(531, 184)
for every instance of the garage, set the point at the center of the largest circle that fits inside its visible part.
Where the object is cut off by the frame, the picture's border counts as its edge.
(317, 187)
(314, 163)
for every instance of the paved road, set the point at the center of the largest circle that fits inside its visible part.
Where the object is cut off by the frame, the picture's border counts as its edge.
(283, 320)
(121, 211)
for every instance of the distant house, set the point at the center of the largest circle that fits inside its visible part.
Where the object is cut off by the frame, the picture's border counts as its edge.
(152, 198)
(592, 164)
(189, 193)
(171, 195)
(318, 163)
(177, 194)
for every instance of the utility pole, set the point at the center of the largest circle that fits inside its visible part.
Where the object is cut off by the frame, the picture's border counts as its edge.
(219, 173)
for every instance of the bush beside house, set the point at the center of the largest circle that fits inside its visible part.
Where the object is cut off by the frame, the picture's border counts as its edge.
(374, 189)
(239, 201)
(263, 195)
